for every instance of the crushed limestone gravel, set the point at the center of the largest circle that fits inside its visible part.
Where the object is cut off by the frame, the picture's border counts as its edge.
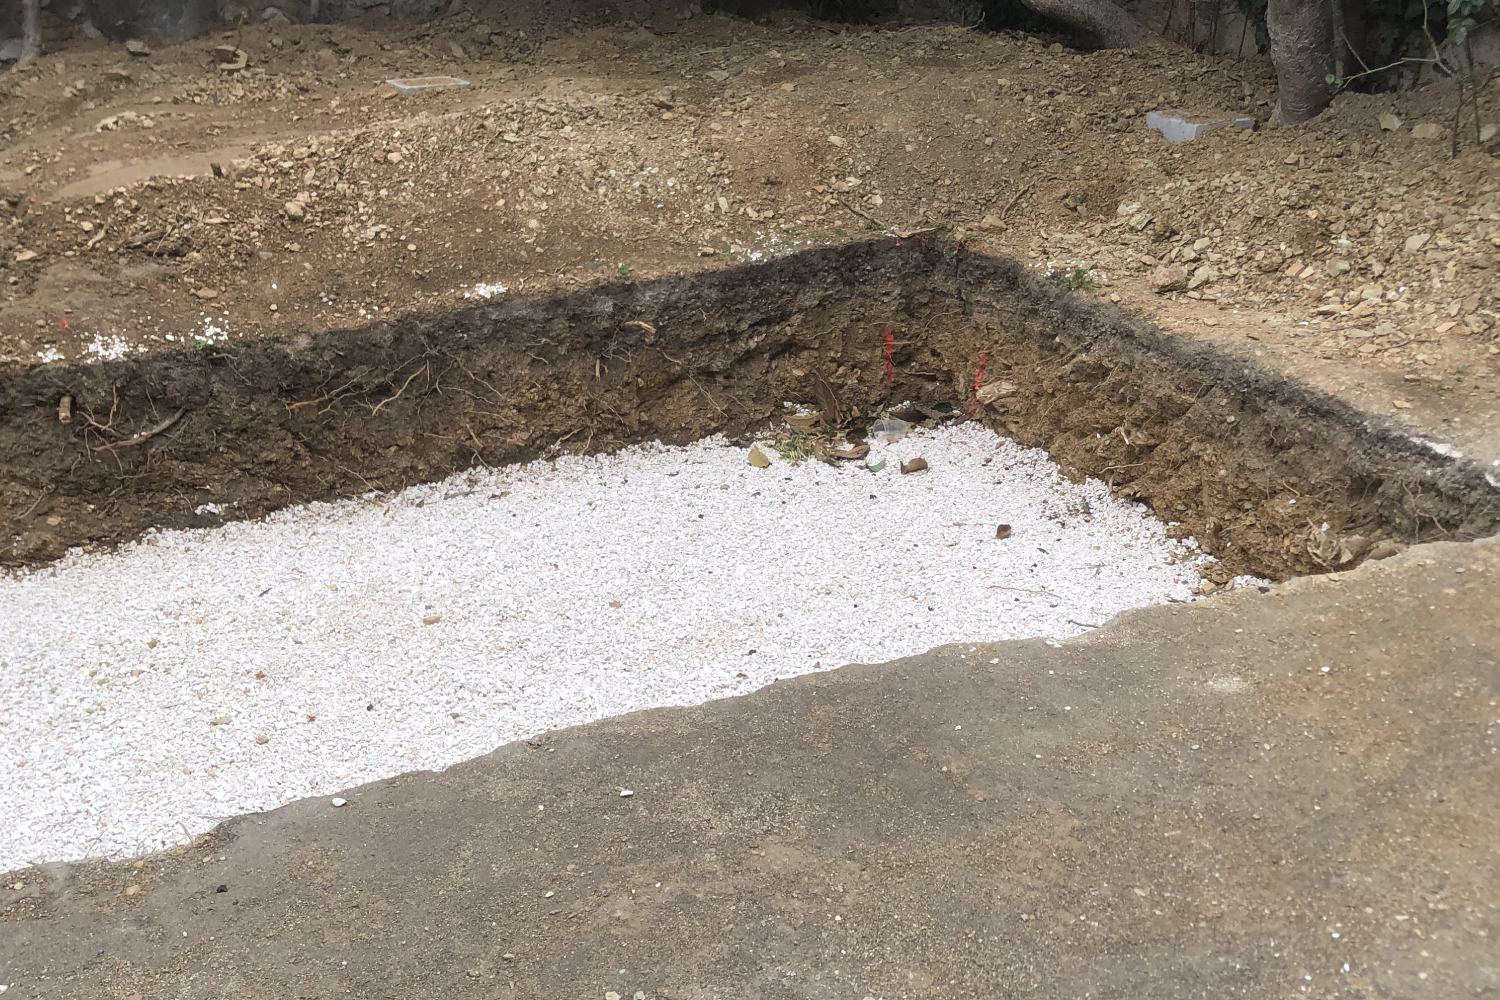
(151, 692)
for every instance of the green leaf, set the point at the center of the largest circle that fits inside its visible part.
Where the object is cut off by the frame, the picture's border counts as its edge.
(877, 466)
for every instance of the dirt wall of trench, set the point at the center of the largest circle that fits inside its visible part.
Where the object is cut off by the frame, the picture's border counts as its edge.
(195, 436)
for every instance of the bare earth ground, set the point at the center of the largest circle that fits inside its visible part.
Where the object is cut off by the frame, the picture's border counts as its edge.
(1280, 795)
(1360, 259)
(1288, 794)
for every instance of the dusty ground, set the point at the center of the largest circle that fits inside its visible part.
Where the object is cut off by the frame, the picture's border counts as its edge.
(1266, 795)
(1359, 259)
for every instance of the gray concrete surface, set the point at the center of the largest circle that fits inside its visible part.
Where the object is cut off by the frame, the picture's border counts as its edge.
(1284, 794)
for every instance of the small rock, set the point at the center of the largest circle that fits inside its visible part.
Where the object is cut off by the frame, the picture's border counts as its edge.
(1390, 123)
(1487, 133)
(136, 47)
(992, 223)
(1003, 531)
(915, 465)
(718, 75)
(1400, 404)
(1169, 278)
(394, 156)
(273, 15)
(626, 793)
(1204, 274)
(262, 739)
(118, 74)
(220, 720)
(1384, 549)
(1417, 242)
(1427, 130)
(207, 293)
(24, 255)
(337, 803)
(132, 890)
(836, 140)
(431, 619)
(294, 209)
(611, 995)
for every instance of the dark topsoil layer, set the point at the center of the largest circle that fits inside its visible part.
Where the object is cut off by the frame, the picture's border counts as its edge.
(1208, 440)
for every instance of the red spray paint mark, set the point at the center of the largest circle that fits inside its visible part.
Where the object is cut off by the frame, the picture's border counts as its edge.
(890, 353)
(65, 322)
(978, 381)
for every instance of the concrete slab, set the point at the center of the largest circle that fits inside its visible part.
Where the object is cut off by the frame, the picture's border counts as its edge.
(1279, 794)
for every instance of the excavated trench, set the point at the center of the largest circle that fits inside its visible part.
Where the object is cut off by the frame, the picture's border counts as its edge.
(192, 437)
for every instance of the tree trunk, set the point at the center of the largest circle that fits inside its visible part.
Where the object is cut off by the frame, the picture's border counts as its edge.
(31, 28)
(1106, 23)
(1302, 50)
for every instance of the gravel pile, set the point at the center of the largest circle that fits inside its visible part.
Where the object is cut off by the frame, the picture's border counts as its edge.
(200, 674)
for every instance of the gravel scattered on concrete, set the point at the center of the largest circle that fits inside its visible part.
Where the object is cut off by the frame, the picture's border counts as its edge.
(196, 675)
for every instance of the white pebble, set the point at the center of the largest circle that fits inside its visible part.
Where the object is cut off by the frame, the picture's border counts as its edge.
(564, 593)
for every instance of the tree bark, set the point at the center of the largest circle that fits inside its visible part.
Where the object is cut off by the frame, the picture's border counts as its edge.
(1302, 50)
(31, 29)
(1106, 23)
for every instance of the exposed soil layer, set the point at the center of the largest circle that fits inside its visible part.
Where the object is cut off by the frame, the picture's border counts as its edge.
(1251, 464)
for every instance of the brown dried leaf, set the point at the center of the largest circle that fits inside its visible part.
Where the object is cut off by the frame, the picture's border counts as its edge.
(827, 401)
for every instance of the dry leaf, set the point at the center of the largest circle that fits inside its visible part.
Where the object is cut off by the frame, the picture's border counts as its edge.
(758, 458)
(616, 604)
(991, 391)
(431, 619)
(221, 720)
(826, 401)
(852, 453)
(802, 421)
(915, 465)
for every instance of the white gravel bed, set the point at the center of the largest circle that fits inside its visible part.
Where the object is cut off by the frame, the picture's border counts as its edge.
(149, 693)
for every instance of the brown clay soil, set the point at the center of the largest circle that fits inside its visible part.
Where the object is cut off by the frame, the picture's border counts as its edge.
(159, 201)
